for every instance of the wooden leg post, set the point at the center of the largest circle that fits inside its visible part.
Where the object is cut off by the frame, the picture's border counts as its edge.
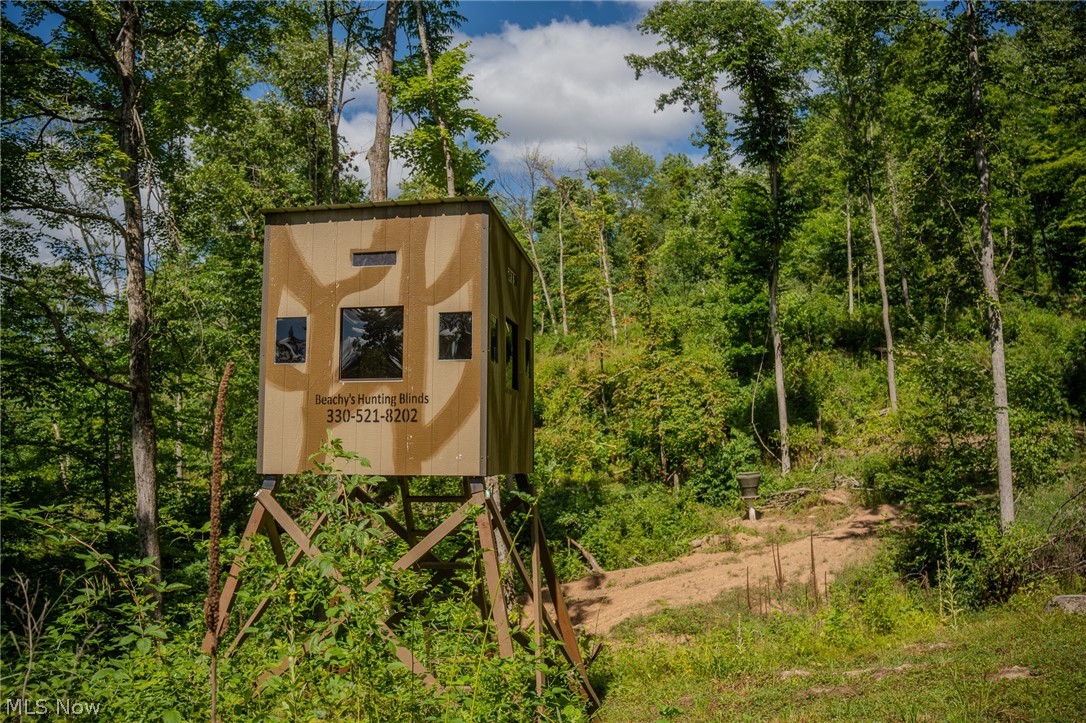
(565, 624)
(488, 547)
(537, 607)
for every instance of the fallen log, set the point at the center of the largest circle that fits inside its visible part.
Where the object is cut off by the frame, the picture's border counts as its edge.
(592, 564)
(783, 498)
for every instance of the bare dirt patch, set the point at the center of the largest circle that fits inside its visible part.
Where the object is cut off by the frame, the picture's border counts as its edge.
(930, 647)
(833, 690)
(600, 602)
(1012, 672)
(883, 673)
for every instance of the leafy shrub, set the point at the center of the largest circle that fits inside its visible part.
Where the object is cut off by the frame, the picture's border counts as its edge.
(1043, 347)
(1056, 515)
(955, 533)
(873, 601)
(814, 318)
(950, 421)
(945, 473)
(622, 526)
(643, 526)
(945, 519)
(570, 440)
(848, 392)
(671, 416)
(645, 413)
(1038, 444)
(716, 482)
(1074, 374)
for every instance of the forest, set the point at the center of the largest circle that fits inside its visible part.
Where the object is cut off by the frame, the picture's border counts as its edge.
(870, 275)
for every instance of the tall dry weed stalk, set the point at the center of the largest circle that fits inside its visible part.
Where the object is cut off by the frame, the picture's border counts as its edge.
(211, 607)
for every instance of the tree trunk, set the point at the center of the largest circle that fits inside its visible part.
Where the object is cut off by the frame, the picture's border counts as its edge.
(144, 445)
(107, 453)
(377, 155)
(330, 116)
(778, 368)
(848, 250)
(562, 270)
(774, 328)
(539, 272)
(529, 222)
(991, 281)
(65, 459)
(898, 236)
(662, 439)
(606, 266)
(178, 448)
(603, 386)
(891, 382)
(1053, 281)
(315, 166)
(1033, 263)
(424, 45)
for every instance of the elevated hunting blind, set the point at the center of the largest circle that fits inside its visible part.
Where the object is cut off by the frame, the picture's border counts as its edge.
(403, 327)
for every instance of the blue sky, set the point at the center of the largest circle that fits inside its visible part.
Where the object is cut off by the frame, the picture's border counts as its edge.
(488, 16)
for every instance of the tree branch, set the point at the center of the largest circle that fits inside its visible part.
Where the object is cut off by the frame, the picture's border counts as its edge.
(592, 564)
(83, 215)
(63, 338)
(167, 34)
(89, 33)
(49, 116)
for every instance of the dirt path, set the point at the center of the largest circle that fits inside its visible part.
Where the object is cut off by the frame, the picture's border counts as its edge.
(598, 603)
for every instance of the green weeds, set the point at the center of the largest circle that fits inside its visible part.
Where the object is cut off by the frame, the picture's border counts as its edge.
(878, 651)
(98, 643)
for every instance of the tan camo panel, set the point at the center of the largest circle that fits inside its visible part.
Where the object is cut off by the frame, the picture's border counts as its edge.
(428, 423)
(509, 412)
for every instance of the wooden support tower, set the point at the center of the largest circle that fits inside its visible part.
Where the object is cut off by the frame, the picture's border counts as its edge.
(539, 579)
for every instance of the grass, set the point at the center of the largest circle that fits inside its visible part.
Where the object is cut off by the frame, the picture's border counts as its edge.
(880, 654)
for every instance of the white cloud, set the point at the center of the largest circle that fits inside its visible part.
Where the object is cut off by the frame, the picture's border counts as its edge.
(566, 86)
(357, 130)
